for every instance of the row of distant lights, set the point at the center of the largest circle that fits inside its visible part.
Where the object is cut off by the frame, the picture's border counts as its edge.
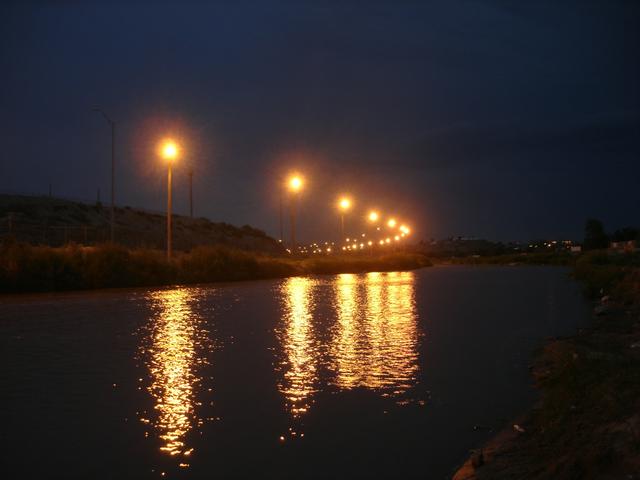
(315, 248)
(329, 246)
(382, 242)
(295, 184)
(373, 216)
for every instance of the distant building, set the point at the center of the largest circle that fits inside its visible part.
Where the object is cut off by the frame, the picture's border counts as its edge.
(624, 246)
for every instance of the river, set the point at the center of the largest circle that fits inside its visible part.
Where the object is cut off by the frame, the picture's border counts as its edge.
(374, 375)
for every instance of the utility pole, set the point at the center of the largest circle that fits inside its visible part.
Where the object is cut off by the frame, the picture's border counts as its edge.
(112, 124)
(281, 222)
(169, 213)
(293, 224)
(191, 192)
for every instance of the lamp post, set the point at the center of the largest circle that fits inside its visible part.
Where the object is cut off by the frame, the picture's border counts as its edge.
(295, 185)
(169, 151)
(112, 124)
(280, 189)
(373, 218)
(344, 205)
(191, 192)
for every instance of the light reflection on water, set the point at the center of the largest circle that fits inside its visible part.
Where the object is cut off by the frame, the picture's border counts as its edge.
(369, 340)
(172, 349)
(375, 344)
(298, 344)
(336, 333)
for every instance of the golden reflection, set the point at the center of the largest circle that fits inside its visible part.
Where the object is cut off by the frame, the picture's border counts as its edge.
(299, 364)
(174, 341)
(372, 344)
(346, 347)
(376, 341)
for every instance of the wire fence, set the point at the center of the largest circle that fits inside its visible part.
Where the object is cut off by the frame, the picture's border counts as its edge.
(152, 235)
(59, 235)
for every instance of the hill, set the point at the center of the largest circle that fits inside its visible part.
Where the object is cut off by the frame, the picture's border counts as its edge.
(53, 221)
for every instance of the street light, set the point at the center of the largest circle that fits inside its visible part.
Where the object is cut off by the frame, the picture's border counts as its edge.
(112, 124)
(373, 216)
(344, 204)
(169, 151)
(295, 184)
(191, 192)
(391, 223)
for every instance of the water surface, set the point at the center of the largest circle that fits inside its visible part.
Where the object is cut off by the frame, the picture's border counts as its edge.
(372, 375)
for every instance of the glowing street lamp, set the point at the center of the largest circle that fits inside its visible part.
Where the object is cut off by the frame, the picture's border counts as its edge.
(169, 151)
(344, 205)
(373, 216)
(295, 184)
(391, 223)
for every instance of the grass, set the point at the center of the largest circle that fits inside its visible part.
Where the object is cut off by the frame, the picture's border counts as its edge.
(616, 275)
(27, 268)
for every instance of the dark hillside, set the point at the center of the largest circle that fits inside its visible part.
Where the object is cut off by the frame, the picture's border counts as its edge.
(52, 221)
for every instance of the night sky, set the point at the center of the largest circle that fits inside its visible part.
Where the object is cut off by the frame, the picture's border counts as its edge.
(495, 119)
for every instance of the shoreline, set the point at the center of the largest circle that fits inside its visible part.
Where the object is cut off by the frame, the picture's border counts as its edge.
(585, 422)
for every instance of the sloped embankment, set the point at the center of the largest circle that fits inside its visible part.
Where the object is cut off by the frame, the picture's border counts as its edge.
(586, 424)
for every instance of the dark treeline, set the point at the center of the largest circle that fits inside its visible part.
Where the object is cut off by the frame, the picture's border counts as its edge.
(595, 236)
(615, 276)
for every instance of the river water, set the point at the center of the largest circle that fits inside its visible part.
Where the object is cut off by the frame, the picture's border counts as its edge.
(374, 375)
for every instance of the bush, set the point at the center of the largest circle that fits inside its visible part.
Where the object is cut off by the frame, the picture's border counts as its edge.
(616, 275)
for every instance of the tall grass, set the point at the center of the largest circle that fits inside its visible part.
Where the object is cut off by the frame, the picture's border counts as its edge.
(26, 268)
(616, 275)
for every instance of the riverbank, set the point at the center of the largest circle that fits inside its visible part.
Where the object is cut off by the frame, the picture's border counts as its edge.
(586, 423)
(27, 268)
(543, 258)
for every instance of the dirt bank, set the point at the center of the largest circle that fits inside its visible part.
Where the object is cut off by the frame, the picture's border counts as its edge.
(586, 424)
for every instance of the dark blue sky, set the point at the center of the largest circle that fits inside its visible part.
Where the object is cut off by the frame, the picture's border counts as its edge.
(506, 120)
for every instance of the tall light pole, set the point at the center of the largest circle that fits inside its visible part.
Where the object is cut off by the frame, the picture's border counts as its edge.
(373, 218)
(191, 192)
(280, 189)
(113, 167)
(344, 205)
(295, 185)
(169, 151)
